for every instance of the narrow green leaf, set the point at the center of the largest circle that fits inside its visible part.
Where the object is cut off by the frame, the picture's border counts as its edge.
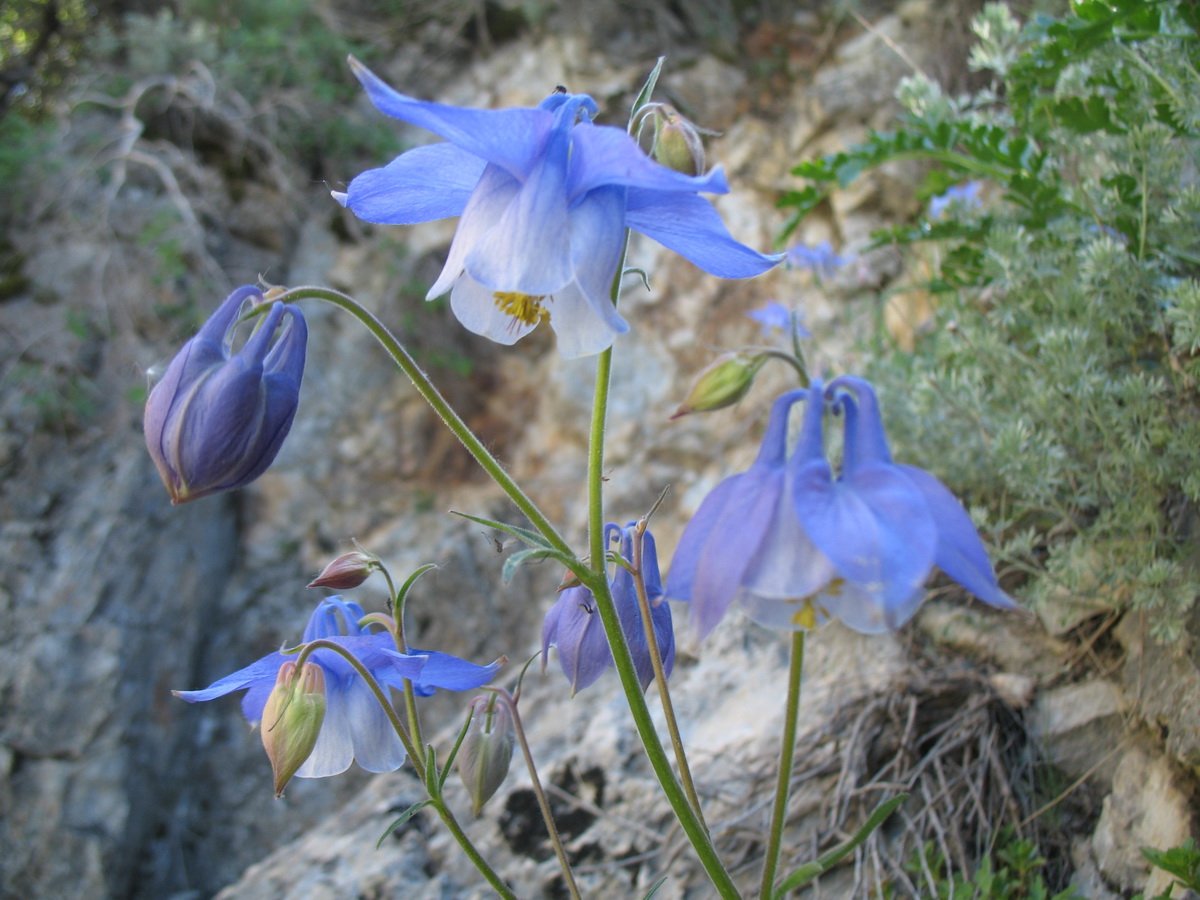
(530, 537)
(654, 888)
(647, 90)
(404, 817)
(409, 582)
(531, 555)
(827, 861)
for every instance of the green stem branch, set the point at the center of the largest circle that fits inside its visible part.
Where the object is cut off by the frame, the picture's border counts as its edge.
(787, 751)
(434, 398)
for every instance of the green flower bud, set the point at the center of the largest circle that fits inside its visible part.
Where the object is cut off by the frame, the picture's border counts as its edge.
(723, 382)
(677, 143)
(486, 751)
(292, 719)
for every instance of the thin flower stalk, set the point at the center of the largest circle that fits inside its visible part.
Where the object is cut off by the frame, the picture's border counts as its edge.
(787, 752)
(433, 397)
(543, 803)
(660, 676)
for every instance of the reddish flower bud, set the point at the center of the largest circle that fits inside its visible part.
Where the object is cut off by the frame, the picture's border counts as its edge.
(347, 571)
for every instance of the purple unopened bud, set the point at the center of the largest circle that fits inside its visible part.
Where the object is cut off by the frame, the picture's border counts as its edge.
(217, 419)
(347, 571)
(487, 750)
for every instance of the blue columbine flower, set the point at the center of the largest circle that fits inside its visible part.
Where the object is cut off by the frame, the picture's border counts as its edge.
(545, 197)
(355, 727)
(796, 546)
(961, 196)
(773, 317)
(820, 260)
(573, 623)
(745, 542)
(217, 419)
(884, 525)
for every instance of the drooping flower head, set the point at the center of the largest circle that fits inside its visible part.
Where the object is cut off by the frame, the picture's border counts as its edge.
(355, 727)
(797, 545)
(573, 623)
(217, 419)
(745, 542)
(545, 197)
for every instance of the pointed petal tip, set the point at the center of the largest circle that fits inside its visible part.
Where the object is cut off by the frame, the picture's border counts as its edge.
(341, 197)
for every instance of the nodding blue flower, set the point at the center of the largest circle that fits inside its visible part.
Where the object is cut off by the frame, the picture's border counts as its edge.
(545, 197)
(796, 546)
(963, 196)
(774, 317)
(355, 727)
(573, 623)
(217, 419)
(820, 260)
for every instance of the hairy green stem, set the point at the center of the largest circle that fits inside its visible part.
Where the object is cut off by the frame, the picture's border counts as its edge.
(473, 854)
(597, 582)
(787, 752)
(434, 398)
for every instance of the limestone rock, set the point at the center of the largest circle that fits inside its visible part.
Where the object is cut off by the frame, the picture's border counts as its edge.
(1147, 808)
(1079, 726)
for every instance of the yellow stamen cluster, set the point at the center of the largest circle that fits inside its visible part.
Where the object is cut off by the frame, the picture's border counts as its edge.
(806, 615)
(525, 308)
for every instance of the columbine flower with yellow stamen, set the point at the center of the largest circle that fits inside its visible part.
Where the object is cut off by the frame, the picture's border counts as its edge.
(796, 546)
(544, 197)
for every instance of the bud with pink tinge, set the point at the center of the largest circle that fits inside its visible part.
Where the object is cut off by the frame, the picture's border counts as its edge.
(292, 719)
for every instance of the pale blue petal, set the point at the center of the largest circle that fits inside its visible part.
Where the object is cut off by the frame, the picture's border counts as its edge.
(377, 748)
(866, 612)
(604, 155)
(681, 577)
(265, 669)
(692, 227)
(787, 564)
(582, 314)
(475, 307)
(528, 250)
(450, 673)
(509, 138)
(426, 183)
(875, 527)
(790, 614)
(582, 326)
(960, 553)
(491, 197)
(334, 749)
(735, 537)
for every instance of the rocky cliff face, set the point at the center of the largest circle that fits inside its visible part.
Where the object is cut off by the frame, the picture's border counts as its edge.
(112, 598)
